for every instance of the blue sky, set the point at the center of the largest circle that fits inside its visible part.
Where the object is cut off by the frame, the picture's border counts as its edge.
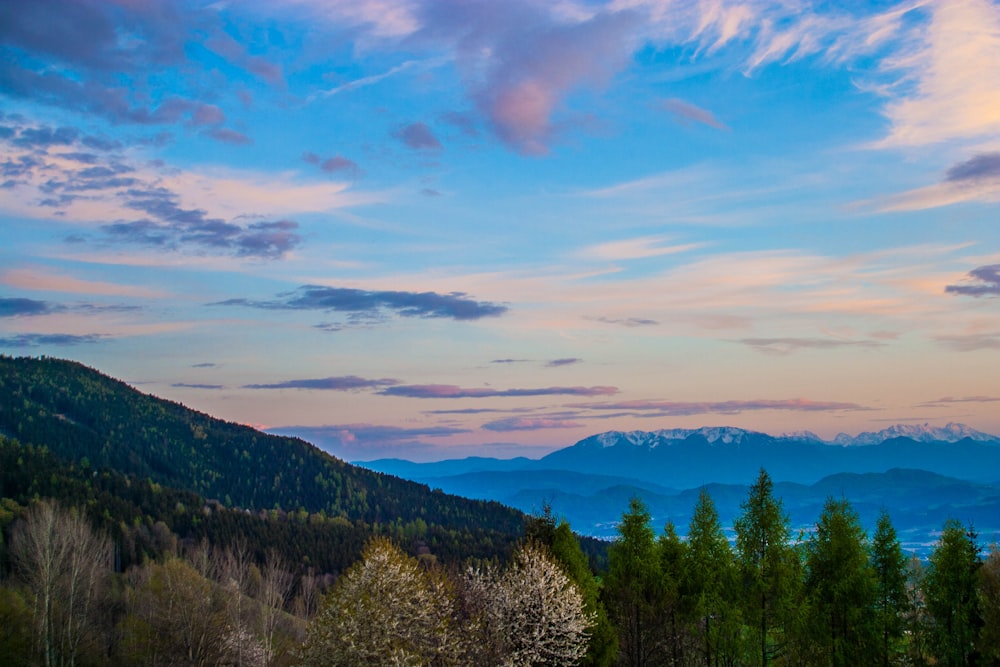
(430, 229)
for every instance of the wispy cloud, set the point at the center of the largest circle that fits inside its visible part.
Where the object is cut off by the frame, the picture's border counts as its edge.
(454, 391)
(528, 424)
(44, 340)
(686, 112)
(637, 248)
(951, 400)
(44, 280)
(568, 361)
(17, 307)
(337, 383)
(195, 385)
(455, 305)
(789, 345)
(686, 408)
(970, 342)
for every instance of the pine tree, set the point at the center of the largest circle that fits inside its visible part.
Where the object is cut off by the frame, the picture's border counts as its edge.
(709, 583)
(891, 600)
(841, 585)
(768, 568)
(950, 588)
(633, 587)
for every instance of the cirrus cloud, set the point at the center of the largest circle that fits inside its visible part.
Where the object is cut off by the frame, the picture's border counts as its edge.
(454, 391)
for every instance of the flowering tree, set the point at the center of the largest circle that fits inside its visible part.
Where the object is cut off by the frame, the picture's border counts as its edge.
(385, 610)
(531, 613)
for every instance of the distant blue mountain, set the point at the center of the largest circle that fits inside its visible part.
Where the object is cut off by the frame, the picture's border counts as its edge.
(921, 474)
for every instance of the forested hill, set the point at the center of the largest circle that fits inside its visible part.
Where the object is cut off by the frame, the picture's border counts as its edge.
(86, 417)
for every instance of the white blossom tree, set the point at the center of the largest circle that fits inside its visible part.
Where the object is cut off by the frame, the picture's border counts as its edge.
(385, 610)
(529, 614)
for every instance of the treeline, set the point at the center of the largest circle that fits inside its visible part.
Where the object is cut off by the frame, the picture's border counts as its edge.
(91, 419)
(830, 597)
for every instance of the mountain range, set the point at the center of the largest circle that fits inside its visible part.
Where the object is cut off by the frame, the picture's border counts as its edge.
(922, 475)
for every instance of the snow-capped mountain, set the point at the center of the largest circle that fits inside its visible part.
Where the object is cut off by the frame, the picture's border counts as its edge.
(666, 437)
(950, 432)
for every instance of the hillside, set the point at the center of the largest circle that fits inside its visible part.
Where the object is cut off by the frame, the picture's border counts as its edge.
(91, 421)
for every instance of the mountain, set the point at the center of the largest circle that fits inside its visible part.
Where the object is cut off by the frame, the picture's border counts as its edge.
(93, 422)
(691, 457)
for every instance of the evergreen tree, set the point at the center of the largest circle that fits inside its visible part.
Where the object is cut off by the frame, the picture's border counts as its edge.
(634, 588)
(709, 583)
(841, 585)
(769, 570)
(672, 551)
(951, 590)
(891, 600)
(989, 600)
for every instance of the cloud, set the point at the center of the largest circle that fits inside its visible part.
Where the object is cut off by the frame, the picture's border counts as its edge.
(142, 205)
(988, 278)
(629, 321)
(950, 400)
(789, 345)
(455, 305)
(943, 92)
(509, 361)
(453, 391)
(17, 307)
(333, 165)
(685, 408)
(40, 340)
(685, 111)
(982, 166)
(528, 424)
(206, 364)
(190, 385)
(555, 363)
(418, 136)
(369, 441)
(229, 136)
(340, 383)
(970, 342)
(637, 248)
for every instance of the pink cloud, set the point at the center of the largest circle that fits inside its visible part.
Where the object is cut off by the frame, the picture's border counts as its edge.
(528, 424)
(683, 408)
(454, 391)
(685, 111)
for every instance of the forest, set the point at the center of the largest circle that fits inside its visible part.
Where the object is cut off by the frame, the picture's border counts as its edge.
(834, 596)
(134, 531)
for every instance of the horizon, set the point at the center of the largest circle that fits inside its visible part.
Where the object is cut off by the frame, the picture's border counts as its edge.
(426, 231)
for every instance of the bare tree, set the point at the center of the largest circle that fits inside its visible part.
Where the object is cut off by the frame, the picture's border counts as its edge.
(273, 590)
(63, 563)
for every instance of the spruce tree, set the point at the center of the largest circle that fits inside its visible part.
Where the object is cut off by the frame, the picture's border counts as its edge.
(891, 600)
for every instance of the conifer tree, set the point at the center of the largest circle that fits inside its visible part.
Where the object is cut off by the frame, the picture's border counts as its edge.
(891, 599)
(841, 585)
(768, 568)
(950, 588)
(633, 587)
(709, 583)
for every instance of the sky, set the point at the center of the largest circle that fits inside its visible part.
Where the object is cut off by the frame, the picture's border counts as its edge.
(431, 229)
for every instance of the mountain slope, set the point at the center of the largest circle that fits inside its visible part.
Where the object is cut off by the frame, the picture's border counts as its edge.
(82, 415)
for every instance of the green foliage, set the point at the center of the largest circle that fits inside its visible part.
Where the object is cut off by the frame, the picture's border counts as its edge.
(952, 597)
(842, 587)
(16, 619)
(891, 600)
(709, 586)
(634, 587)
(768, 567)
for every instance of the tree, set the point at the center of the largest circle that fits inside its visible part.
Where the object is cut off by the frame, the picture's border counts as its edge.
(633, 587)
(63, 564)
(176, 616)
(841, 586)
(950, 588)
(385, 610)
(532, 613)
(273, 590)
(668, 601)
(565, 548)
(891, 600)
(709, 579)
(768, 568)
(989, 600)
